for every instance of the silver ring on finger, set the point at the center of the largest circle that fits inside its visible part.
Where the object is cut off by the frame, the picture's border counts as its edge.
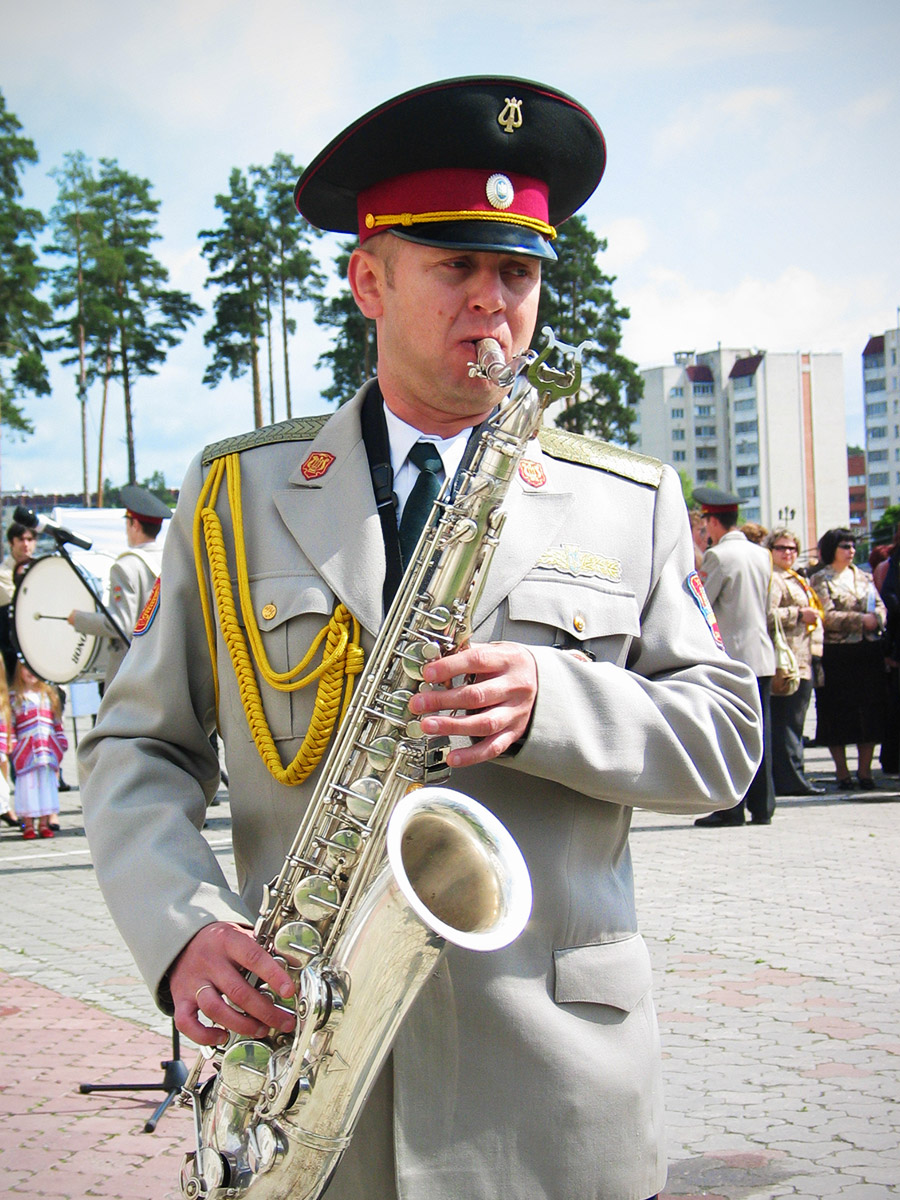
(200, 989)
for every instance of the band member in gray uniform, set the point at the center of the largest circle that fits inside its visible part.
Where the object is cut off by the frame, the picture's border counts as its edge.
(736, 574)
(593, 682)
(132, 576)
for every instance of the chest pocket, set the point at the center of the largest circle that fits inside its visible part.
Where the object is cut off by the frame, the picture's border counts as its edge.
(290, 613)
(550, 610)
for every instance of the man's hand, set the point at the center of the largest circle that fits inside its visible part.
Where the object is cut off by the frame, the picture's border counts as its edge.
(492, 706)
(212, 966)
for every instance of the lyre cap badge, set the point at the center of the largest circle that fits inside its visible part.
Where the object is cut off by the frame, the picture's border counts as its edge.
(500, 191)
(510, 118)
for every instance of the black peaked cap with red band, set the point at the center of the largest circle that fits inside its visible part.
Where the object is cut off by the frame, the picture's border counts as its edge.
(714, 501)
(480, 163)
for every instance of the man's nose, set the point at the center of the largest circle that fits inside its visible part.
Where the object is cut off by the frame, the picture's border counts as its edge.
(486, 292)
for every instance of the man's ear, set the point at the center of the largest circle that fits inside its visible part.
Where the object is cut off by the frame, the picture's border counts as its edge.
(366, 276)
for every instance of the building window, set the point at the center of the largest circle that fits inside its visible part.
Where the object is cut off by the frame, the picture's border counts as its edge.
(748, 493)
(748, 405)
(677, 435)
(702, 389)
(877, 409)
(704, 431)
(676, 391)
(679, 455)
(872, 360)
(707, 475)
(881, 479)
(877, 431)
(745, 427)
(748, 472)
(677, 414)
(747, 448)
(879, 502)
(743, 382)
(875, 385)
(707, 452)
(878, 456)
(704, 410)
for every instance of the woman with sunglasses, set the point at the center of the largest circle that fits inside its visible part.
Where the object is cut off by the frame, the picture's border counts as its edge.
(849, 708)
(800, 613)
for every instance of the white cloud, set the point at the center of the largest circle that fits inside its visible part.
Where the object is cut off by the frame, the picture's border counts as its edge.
(628, 239)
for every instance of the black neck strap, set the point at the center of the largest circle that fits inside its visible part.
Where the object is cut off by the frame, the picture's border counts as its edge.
(378, 452)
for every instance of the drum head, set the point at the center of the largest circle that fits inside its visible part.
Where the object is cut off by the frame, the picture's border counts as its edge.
(47, 592)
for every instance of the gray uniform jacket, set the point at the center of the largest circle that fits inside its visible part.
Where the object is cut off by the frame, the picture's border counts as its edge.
(736, 574)
(131, 579)
(534, 1070)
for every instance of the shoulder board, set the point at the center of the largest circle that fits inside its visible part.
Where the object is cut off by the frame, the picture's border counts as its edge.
(574, 447)
(297, 429)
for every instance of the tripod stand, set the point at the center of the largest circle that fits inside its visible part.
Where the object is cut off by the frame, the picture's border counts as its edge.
(174, 1075)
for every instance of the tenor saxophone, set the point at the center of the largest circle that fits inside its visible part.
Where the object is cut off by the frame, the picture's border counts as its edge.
(387, 866)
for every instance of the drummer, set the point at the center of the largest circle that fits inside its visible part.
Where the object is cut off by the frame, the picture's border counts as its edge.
(132, 576)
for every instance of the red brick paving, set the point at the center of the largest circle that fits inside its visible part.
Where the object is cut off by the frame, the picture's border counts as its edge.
(55, 1142)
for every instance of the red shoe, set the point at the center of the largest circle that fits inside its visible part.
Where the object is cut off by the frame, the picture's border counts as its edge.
(28, 834)
(46, 831)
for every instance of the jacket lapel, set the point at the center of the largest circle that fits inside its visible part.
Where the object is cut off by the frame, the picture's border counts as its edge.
(340, 501)
(534, 517)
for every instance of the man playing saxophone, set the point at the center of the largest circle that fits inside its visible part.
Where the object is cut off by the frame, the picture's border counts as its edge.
(593, 682)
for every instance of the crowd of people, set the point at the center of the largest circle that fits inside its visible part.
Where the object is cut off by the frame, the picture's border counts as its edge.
(32, 739)
(827, 628)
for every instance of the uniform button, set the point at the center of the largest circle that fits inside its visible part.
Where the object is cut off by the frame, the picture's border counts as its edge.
(269, 611)
(578, 623)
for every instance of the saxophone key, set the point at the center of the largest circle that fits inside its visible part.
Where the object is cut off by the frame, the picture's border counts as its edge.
(297, 942)
(361, 796)
(245, 1066)
(380, 752)
(316, 898)
(342, 849)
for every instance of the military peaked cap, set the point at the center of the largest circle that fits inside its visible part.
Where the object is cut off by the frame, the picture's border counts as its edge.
(714, 501)
(143, 504)
(481, 163)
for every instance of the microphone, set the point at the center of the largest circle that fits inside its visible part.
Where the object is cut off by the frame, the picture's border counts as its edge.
(31, 520)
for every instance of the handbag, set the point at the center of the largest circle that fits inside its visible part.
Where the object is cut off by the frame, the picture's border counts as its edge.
(787, 670)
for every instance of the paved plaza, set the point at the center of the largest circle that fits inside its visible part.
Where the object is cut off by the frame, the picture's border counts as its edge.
(776, 952)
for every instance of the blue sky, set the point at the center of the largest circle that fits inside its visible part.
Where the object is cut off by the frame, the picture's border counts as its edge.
(750, 197)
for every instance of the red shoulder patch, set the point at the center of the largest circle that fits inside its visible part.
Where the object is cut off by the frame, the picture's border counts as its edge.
(145, 620)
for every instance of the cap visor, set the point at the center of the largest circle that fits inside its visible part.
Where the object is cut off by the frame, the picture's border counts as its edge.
(479, 235)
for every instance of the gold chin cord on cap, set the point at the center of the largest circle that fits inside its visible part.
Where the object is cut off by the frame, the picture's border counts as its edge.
(342, 656)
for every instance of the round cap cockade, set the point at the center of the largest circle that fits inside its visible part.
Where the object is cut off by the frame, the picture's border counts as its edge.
(479, 163)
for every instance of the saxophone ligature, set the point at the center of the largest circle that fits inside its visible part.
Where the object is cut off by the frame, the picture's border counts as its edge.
(388, 865)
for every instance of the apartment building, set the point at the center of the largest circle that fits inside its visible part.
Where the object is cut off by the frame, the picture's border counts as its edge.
(859, 502)
(768, 426)
(881, 398)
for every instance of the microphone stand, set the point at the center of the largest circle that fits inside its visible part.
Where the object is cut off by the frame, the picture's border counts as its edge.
(175, 1071)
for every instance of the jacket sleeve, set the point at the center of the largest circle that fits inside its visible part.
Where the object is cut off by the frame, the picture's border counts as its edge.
(678, 729)
(148, 772)
(121, 605)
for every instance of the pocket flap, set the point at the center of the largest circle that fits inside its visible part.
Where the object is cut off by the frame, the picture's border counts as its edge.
(585, 610)
(614, 973)
(276, 599)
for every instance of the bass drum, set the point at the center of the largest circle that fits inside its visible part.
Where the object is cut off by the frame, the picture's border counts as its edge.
(46, 593)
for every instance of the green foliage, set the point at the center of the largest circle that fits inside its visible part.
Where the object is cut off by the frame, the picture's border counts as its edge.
(687, 488)
(258, 257)
(23, 315)
(884, 527)
(352, 358)
(577, 302)
(155, 483)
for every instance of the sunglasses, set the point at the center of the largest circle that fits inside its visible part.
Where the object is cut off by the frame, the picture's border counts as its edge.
(786, 549)
(847, 545)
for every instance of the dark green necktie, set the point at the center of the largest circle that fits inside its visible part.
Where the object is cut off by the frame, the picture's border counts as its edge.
(424, 493)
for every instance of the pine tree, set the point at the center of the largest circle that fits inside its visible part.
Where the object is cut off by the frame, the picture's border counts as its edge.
(577, 302)
(353, 358)
(76, 294)
(147, 317)
(239, 255)
(294, 271)
(23, 314)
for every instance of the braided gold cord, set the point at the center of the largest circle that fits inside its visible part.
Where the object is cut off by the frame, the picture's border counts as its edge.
(342, 657)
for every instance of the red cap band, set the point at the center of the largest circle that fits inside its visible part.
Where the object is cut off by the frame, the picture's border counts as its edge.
(454, 194)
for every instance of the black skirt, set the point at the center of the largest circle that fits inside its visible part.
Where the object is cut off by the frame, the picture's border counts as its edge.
(850, 707)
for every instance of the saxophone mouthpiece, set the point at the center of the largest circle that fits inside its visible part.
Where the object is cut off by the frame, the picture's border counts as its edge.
(491, 364)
